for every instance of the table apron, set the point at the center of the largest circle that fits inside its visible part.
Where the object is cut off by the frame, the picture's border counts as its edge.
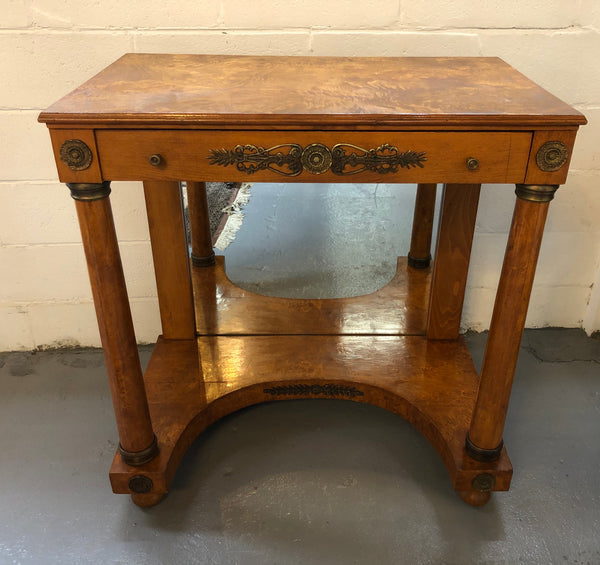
(313, 156)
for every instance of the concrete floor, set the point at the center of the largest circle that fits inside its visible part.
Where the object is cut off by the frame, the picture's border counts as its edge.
(308, 482)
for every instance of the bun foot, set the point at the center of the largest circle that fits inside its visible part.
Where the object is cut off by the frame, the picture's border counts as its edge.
(148, 499)
(474, 497)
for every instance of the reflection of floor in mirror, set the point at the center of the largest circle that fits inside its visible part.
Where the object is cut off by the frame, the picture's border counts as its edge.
(321, 240)
(231, 214)
(220, 197)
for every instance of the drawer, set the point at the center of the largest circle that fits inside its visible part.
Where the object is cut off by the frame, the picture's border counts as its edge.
(313, 156)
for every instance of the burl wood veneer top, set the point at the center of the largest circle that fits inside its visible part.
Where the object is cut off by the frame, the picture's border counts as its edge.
(317, 92)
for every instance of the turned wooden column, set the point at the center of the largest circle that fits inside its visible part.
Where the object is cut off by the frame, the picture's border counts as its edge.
(419, 256)
(452, 255)
(171, 259)
(202, 248)
(484, 440)
(137, 442)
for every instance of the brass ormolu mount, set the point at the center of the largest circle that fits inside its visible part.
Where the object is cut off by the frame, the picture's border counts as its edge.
(342, 159)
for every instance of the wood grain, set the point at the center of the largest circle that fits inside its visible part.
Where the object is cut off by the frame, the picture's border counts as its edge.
(223, 308)
(115, 324)
(185, 106)
(430, 384)
(170, 255)
(451, 265)
(65, 174)
(422, 228)
(534, 174)
(151, 89)
(508, 321)
(186, 154)
(199, 220)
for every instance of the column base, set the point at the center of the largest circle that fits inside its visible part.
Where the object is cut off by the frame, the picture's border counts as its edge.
(137, 458)
(480, 454)
(419, 262)
(207, 261)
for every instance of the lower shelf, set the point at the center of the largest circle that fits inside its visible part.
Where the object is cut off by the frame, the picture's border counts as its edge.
(192, 383)
(398, 308)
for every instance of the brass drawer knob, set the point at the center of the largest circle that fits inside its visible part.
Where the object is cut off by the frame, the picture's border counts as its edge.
(472, 164)
(155, 160)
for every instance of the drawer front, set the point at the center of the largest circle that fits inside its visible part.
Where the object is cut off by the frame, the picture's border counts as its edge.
(293, 156)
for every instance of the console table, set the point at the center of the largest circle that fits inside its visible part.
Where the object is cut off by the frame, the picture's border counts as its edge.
(161, 119)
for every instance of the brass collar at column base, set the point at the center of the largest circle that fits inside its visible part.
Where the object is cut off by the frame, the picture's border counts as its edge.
(480, 454)
(89, 191)
(208, 261)
(136, 458)
(536, 192)
(419, 262)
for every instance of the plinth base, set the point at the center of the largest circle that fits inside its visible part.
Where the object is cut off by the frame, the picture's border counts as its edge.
(192, 383)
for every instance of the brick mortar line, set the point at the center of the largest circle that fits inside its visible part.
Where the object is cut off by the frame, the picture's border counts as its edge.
(29, 181)
(73, 244)
(20, 110)
(389, 29)
(83, 300)
(582, 170)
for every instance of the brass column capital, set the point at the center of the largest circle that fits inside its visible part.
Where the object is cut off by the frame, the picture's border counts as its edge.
(536, 192)
(89, 191)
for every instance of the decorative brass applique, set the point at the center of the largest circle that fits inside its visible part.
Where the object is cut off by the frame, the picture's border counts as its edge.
(384, 159)
(485, 482)
(140, 484)
(314, 390)
(250, 158)
(343, 159)
(76, 154)
(316, 158)
(551, 156)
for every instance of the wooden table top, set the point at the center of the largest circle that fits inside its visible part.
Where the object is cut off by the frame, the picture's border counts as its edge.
(310, 92)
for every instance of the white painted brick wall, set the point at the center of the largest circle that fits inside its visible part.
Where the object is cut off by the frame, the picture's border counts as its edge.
(116, 15)
(394, 43)
(293, 42)
(52, 63)
(554, 59)
(50, 46)
(15, 14)
(492, 14)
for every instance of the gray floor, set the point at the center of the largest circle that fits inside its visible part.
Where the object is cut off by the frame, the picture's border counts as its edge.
(306, 482)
